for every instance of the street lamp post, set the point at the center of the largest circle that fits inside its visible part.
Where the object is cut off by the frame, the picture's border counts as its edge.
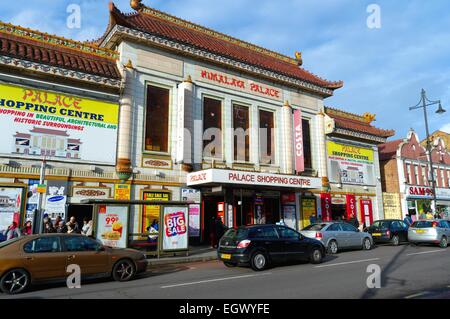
(423, 103)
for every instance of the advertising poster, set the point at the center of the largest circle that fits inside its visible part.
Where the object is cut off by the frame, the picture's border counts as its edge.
(191, 195)
(39, 123)
(56, 199)
(391, 206)
(308, 209)
(175, 228)
(32, 201)
(194, 220)
(112, 226)
(289, 216)
(122, 191)
(10, 205)
(151, 213)
(349, 164)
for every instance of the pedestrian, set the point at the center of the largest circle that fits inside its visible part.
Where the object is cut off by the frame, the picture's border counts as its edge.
(90, 231)
(48, 226)
(212, 232)
(313, 219)
(12, 231)
(73, 225)
(62, 228)
(27, 229)
(353, 221)
(429, 216)
(57, 220)
(153, 231)
(408, 220)
(220, 228)
(85, 227)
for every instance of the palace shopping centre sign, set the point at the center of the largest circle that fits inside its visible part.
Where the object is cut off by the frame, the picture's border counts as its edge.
(217, 176)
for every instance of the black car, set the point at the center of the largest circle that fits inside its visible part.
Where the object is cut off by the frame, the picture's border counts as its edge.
(262, 245)
(389, 231)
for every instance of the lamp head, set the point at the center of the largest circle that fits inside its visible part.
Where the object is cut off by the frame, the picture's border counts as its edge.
(440, 110)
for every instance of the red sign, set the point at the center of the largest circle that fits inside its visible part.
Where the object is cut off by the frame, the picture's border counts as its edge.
(288, 199)
(420, 191)
(298, 142)
(351, 206)
(366, 212)
(325, 202)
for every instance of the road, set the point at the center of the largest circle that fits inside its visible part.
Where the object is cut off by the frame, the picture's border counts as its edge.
(407, 272)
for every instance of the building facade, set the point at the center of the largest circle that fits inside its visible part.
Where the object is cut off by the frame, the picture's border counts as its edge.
(406, 175)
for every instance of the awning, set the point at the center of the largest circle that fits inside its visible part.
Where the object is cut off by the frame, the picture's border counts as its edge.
(443, 202)
(214, 177)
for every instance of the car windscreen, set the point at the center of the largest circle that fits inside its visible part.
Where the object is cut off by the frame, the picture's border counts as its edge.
(382, 225)
(9, 242)
(240, 233)
(314, 227)
(422, 224)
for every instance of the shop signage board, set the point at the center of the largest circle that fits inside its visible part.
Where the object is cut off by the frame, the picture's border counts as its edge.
(217, 176)
(366, 212)
(391, 206)
(191, 195)
(419, 192)
(122, 191)
(112, 225)
(175, 229)
(298, 142)
(10, 205)
(325, 202)
(350, 164)
(308, 209)
(151, 213)
(351, 206)
(38, 123)
(91, 192)
(56, 199)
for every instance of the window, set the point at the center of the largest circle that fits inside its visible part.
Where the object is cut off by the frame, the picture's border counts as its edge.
(267, 137)
(264, 232)
(416, 174)
(443, 224)
(241, 125)
(157, 120)
(408, 174)
(348, 227)
(315, 227)
(287, 233)
(212, 128)
(335, 227)
(382, 225)
(43, 245)
(307, 143)
(79, 243)
(448, 178)
(424, 176)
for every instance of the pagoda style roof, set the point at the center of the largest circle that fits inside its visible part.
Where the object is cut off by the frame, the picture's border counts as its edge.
(357, 123)
(30, 48)
(49, 131)
(166, 26)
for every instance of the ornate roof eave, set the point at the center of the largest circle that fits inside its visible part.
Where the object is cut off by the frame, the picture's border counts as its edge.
(359, 135)
(118, 32)
(49, 70)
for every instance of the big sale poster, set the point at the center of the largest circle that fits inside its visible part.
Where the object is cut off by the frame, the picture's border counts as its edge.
(175, 228)
(112, 226)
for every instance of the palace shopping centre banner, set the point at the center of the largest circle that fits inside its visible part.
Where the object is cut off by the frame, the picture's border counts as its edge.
(348, 164)
(57, 126)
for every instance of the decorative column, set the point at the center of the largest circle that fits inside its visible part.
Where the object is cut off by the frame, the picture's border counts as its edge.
(123, 167)
(288, 138)
(185, 124)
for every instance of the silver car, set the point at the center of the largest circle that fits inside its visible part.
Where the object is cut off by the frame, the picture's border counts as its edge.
(430, 231)
(338, 235)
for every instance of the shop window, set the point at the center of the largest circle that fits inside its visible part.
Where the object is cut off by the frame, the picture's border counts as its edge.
(307, 143)
(157, 119)
(212, 128)
(267, 137)
(241, 125)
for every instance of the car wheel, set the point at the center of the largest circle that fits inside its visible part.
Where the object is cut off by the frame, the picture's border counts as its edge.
(15, 281)
(259, 261)
(333, 247)
(367, 245)
(230, 265)
(395, 240)
(124, 270)
(443, 243)
(316, 256)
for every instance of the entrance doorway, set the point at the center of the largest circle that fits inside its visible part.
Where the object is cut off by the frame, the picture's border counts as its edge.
(338, 212)
(80, 212)
(210, 206)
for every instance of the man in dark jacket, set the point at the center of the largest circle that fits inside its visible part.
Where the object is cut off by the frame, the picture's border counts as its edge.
(353, 221)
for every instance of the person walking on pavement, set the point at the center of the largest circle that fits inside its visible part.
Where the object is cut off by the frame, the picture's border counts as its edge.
(220, 228)
(212, 232)
(73, 225)
(312, 219)
(354, 221)
(27, 229)
(62, 228)
(12, 231)
(408, 220)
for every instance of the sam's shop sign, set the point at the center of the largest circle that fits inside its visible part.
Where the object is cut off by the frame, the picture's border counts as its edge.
(427, 192)
(217, 176)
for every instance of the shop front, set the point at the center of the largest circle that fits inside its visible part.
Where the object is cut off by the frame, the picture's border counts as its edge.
(419, 200)
(246, 198)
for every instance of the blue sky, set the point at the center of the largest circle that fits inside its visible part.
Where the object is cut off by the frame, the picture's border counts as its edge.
(383, 69)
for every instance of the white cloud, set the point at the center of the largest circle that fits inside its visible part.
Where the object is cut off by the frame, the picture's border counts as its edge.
(446, 128)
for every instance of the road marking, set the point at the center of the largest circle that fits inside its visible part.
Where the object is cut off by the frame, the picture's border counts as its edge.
(348, 263)
(426, 252)
(213, 280)
(416, 295)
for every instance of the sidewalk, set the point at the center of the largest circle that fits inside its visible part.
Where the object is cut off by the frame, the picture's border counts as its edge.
(196, 254)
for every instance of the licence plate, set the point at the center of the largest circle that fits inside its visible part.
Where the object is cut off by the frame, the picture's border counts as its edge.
(420, 231)
(226, 256)
(376, 234)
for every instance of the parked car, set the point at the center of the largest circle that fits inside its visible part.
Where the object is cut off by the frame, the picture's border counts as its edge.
(389, 231)
(337, 236)
(430, 231)
(262, 245)
(44, 258)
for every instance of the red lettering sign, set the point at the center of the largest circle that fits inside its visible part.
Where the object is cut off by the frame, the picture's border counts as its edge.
(298, 142)
(325, 203)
